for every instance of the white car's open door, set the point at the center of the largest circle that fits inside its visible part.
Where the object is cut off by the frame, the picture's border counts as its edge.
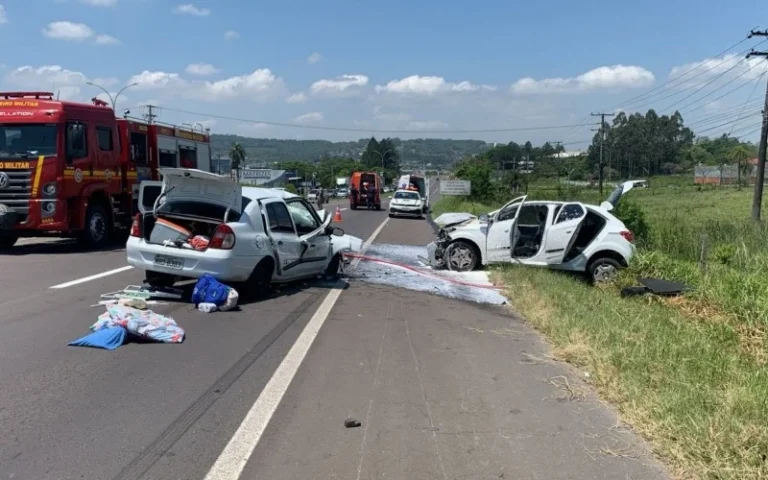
(502, 231)
(561, 235)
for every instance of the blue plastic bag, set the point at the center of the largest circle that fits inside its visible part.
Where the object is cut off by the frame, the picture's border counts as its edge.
(209, 290)
(106, 338)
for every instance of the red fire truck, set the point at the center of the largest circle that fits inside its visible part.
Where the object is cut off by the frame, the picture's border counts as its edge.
(73, 169)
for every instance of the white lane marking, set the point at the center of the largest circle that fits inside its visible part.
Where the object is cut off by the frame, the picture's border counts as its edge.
(93, 277)
(237, 452)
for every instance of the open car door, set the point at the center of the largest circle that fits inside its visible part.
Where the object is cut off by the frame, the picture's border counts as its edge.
(561, 235)
(502, 231)
(148, 193)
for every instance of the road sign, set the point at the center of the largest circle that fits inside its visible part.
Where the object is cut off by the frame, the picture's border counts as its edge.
(455, 187)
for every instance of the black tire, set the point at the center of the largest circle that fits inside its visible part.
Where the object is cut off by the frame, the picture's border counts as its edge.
(261, 278)
(378, 207)
(333, 266)
(391, 216)
(603, 269)
(353, 206)
(159, 280)
(97, 228)
(460, 256)
(8, 241)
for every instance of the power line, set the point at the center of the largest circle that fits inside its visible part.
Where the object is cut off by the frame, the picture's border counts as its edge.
(706, 84)
(755, 80)
(750, 97)
(720, 88)
(363, 130)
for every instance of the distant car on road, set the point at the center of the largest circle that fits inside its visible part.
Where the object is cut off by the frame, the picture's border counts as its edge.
(342, 193)
(312, 195)
(406, 203)
(195, 222)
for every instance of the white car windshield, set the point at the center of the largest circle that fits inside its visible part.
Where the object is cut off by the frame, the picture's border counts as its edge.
(407, 195)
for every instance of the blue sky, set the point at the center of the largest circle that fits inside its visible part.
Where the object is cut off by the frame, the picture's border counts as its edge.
(435, 69)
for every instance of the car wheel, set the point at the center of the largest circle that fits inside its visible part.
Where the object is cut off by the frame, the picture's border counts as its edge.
(8, 241)
(353, 206)
(391, 216)
(461, 257)
(334, 266)
(261, 277)
(159, 280)
(603, 270)
(96, 231)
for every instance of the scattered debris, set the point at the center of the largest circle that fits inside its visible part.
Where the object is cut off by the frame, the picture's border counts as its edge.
(207, 307)
(144, 293)
(144, 325)
(351, 423)
(208, 290)
(656, 286)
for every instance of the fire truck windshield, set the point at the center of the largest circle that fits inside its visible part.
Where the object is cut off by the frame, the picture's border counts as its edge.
(21, 141)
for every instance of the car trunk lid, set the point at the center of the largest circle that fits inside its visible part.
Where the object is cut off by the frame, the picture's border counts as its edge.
(613, 199)
(197, 185)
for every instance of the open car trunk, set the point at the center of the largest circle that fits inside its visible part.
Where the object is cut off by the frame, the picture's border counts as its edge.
(185, 209)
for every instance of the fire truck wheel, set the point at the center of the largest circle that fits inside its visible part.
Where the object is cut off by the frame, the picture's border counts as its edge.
(8, 241)
(96, 232)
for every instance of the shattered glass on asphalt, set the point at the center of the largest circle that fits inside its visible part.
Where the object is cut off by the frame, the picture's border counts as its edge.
(425, 279)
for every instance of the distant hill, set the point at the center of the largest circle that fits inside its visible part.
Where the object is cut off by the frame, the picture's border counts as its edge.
(412, 152)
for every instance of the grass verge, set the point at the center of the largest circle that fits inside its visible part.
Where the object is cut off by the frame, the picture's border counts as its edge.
(686, 380)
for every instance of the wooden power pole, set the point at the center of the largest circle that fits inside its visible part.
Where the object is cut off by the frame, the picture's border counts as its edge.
(601, 165)
(757, 200)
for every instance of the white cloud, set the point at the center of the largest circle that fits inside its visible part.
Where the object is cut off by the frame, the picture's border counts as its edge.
(262, 84)
(616, 76)
(309, 117)
(190, 9)
(69, 31)
(341, 84)
(51, 78)
(314, 58)
(147, 80)
(231, 35)
(429, 85)
(76, 32)
(104, 39)
(729, 66)
(297, 98)
(106, 82)
(3, 15)
(201, 69)
(100, 3)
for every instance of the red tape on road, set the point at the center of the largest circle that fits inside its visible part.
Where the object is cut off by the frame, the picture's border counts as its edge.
(420, 271)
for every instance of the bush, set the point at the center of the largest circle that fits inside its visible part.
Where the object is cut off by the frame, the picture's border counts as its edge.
(634, 218)
(291, 188)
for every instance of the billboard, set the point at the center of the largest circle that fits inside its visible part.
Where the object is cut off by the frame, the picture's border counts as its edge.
(455, 187)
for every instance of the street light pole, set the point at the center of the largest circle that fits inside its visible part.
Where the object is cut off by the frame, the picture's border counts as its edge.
(117, 95)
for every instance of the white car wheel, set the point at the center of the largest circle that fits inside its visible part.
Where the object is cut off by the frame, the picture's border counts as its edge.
(461, 257)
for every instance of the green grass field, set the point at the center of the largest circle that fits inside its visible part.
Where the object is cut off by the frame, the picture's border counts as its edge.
(689, 373)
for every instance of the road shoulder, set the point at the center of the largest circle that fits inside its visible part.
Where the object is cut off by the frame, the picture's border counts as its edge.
(443, 390)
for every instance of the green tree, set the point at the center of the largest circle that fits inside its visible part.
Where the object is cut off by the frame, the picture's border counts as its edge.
(237, 156)
(478, 171)
(380, 156)
(739, 155)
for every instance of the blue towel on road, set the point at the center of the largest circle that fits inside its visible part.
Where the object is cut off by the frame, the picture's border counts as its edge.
(107, 338)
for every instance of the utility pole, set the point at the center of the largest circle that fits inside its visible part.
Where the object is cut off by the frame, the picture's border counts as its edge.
(757, 200)
(601, 166)
(151, 114)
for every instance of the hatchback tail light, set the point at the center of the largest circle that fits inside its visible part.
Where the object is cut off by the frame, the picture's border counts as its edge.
(223, 238)
(136, 226)
(628, 236)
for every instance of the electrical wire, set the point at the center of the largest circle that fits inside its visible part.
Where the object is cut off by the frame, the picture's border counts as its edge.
(750, 97)
(363, 130)
(721, 87)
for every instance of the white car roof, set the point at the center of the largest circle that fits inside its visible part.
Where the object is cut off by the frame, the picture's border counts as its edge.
(257, 193)
(406, 191)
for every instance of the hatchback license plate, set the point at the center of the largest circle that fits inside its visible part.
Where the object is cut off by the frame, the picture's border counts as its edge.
(170, 262)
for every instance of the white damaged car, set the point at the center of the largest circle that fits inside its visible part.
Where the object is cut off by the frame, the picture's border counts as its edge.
(195, 222)
(561, 235)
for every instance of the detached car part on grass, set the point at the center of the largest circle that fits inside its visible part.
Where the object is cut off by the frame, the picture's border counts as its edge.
(567, 236)
(257, 235)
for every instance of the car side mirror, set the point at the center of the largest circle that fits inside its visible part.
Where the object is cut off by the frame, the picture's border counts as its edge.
(485, 218)
(337, 232)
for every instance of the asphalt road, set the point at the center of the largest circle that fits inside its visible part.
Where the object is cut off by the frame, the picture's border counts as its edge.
(443, 389)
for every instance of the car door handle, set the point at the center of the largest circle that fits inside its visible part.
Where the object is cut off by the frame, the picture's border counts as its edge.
(506, 231)
(569, 231)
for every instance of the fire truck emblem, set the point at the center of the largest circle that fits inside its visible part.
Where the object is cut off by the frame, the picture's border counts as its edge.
(78, 175)
(108, 174)
(4, 180)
